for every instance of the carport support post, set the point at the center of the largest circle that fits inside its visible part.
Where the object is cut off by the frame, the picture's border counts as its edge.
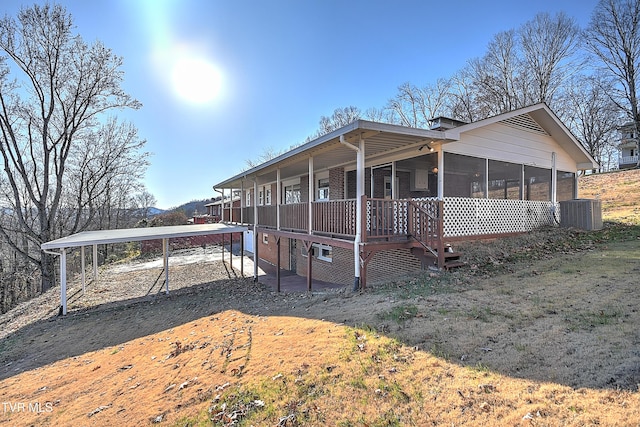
(242, 253)
(165, 254)
(82, 266)
(63, 280)
(95, 262)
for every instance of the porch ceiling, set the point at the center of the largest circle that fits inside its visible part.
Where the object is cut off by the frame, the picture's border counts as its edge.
(328, 152)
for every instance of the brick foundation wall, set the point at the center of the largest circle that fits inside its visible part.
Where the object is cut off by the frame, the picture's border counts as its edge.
(385, 266)
(269, 252)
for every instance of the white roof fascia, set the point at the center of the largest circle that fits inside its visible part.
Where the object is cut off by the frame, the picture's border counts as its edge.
(363, 125)
(455, 132)
(96, 237)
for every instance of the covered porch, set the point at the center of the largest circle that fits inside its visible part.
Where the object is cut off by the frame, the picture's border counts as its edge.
(371, 187)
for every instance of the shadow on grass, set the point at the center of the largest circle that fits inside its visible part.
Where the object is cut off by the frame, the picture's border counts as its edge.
(515, 341)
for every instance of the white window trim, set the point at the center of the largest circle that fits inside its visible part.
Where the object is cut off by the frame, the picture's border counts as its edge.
(319, 247)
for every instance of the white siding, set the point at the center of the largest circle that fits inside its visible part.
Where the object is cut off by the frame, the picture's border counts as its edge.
(509, 144)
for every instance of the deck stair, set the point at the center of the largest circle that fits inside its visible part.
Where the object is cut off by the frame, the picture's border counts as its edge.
(429, 257)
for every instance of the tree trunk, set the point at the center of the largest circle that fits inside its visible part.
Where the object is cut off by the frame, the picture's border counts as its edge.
(47, 269)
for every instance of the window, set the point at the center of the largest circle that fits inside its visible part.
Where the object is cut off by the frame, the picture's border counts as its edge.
(565, 187)
(267, 196)
(248, 199)
(537, 183)
(260, 198)
(292, 194)
(265, 238)
(464, 176)
(504, 180)
(323, 189)
(320, 251)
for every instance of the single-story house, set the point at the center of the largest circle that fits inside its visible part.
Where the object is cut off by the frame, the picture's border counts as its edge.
(371, 201)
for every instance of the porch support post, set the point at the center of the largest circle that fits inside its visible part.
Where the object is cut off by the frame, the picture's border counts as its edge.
(255, 230)
(308, 246)
(441, 174)
(242, 202)
(278, 198)
(394, 189)
(486, 178)
(278, 264)
(554, 180)
(311, 195)
(360, 167)
(83, 267)
(523, 186)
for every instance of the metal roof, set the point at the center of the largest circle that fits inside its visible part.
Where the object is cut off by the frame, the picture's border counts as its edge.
(327, 151)
(383, 139)
(96, 237)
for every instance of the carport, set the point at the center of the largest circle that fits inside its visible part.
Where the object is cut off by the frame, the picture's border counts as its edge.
(97, 237)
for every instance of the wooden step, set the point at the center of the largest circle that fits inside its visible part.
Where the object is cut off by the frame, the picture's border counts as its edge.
(451, 259)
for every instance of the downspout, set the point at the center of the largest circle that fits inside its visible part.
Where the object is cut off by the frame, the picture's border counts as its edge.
(359, 192)
(554, 187)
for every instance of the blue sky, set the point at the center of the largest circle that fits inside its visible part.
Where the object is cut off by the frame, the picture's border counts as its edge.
(274, 67)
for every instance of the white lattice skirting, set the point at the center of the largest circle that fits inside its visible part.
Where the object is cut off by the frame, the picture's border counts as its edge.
(474, 217)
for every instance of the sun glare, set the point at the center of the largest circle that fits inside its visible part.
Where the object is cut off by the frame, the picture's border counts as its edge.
(196, 80)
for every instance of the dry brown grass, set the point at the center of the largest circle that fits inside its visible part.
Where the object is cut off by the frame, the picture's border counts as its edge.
(541, 332)
(619, 192)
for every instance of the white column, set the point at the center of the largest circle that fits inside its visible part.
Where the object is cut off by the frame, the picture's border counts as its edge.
(311, 194)
(359, 209)
(394, 189)
(255, 229)
(95, 263)
(165, 253)
(486, 178)
(82, 267)
(554, 181)
(278, 198)
(242, 202)
(63, 280)
(440, 174)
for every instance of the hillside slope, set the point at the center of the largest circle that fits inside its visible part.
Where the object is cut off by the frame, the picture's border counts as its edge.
(619, 192)
(544, 332)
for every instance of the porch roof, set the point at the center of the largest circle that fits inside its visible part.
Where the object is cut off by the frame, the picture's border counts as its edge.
(386, 140)
(382, 139)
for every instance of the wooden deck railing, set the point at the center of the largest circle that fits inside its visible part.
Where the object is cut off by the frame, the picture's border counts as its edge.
(335, 217)
(382, 219)
(294, 217)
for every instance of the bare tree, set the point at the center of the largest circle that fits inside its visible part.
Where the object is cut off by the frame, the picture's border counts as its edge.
(54, 90)
(549, 46)
(613, 37)
(416, 107)
(340, 117)
(589, 112)
(498, 76)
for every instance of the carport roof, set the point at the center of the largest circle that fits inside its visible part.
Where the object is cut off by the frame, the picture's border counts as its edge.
(96, 237)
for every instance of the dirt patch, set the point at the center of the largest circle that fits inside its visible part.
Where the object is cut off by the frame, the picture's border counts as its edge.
(539, 329)
(537, 319)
